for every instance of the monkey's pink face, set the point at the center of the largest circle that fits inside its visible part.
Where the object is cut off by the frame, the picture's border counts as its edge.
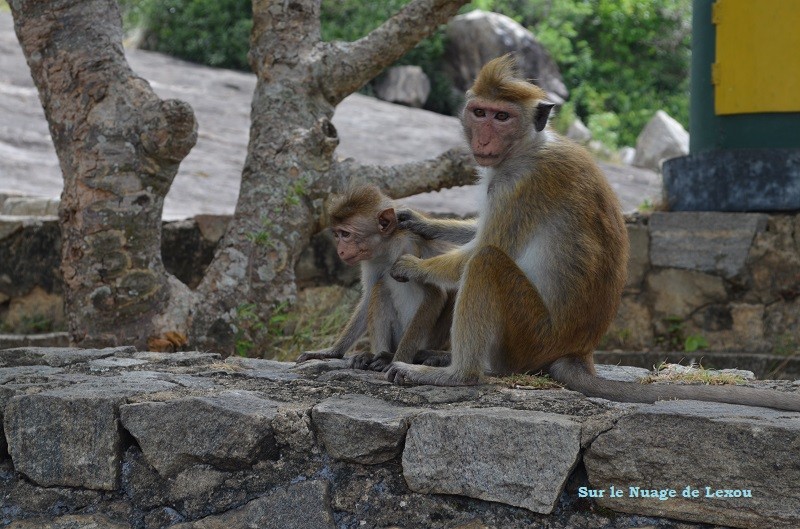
(491, 128)
(351, 246)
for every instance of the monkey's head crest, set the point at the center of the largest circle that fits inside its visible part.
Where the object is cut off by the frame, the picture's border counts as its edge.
(499, 80)
(356, 200)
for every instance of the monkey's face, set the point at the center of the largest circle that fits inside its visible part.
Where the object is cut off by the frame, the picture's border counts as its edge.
(492, 128)
(353, 244)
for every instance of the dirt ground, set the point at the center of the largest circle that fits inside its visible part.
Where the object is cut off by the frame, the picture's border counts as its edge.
(371, 131)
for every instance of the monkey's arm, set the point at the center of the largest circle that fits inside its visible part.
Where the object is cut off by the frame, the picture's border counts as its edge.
(421, 328)
(443, 270)
(452, 230)
(354, 329)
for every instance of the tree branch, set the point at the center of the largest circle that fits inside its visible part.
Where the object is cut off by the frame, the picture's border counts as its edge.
(455, 167)
(350, 65)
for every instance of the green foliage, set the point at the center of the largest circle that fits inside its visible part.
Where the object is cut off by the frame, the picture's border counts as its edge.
(212, 32)
(349, 20)
(694, 343)
(675, 338)
(621, 59)
(32, 324)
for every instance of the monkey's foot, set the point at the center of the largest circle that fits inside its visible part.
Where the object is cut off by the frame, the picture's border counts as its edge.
(406, 374)
(432, 358)
(322, 354)
(371, 362)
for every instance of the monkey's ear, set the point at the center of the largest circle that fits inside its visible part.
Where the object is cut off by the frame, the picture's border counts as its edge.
(542, 113)
(387, 221)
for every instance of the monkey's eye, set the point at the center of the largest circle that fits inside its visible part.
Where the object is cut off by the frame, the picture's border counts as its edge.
(502, 116)
(479, 113)
(344, 234)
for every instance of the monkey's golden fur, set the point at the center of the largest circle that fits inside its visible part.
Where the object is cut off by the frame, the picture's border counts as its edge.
(401, 319)
(541, 281)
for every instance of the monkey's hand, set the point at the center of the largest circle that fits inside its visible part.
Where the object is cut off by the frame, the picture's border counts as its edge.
(371, 362)
(408, 219)
(405, 268)
(322, 354)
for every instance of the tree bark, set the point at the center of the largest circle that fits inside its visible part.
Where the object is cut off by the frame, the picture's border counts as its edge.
(120, 146)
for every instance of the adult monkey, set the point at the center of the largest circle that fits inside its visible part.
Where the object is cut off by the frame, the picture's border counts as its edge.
(402, 319)
(542, 279)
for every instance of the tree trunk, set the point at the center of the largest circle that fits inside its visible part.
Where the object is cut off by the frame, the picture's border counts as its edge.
(119, 147)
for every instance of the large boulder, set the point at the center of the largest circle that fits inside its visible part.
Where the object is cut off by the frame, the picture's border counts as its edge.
(661, 139)
(405, 85)
(475, 38)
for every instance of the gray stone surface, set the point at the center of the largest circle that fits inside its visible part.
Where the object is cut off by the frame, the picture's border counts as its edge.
(704, 241)
(661, 139)
(181, 358)
(678, 293)
(404, 85)
(668, 446)
(639, 259)
(734, 180)
(71, 437)
(520, 458)
(475, 38)
(229, 431)
(304, 504)
(56, 356)
(200, 444)
(50, 339)
(361, 429)
(71, 521)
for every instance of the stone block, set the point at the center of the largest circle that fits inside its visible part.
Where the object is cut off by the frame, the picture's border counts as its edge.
(57, 356)
(70, 521)
(632, 328)
(679, 444)
(405, 85)
(639, 259)
(361, 429)
(305, 504)
(676, 292)
(229, 432)
(30, 206)
(71, 436)
(661, 139)
(181, 358)
(734, 180)
(704, 241)
(774, 261)
(520, 458)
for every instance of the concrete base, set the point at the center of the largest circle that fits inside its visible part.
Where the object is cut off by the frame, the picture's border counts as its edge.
(734, 180)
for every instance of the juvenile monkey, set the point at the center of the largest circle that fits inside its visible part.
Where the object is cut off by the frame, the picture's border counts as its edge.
(402, 319)
(542, 279)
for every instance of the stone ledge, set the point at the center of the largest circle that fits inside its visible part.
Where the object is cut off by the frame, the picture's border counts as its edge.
(193, 440)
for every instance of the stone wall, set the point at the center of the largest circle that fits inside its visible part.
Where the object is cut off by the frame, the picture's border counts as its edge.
(116, 438)
(718, 281)
(707, 281)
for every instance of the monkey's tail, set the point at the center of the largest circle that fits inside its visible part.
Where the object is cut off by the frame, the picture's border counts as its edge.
(573, 373)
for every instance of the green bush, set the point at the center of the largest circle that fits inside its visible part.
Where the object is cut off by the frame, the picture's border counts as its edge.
(628, 58)
(350, 20)
(212, 32)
